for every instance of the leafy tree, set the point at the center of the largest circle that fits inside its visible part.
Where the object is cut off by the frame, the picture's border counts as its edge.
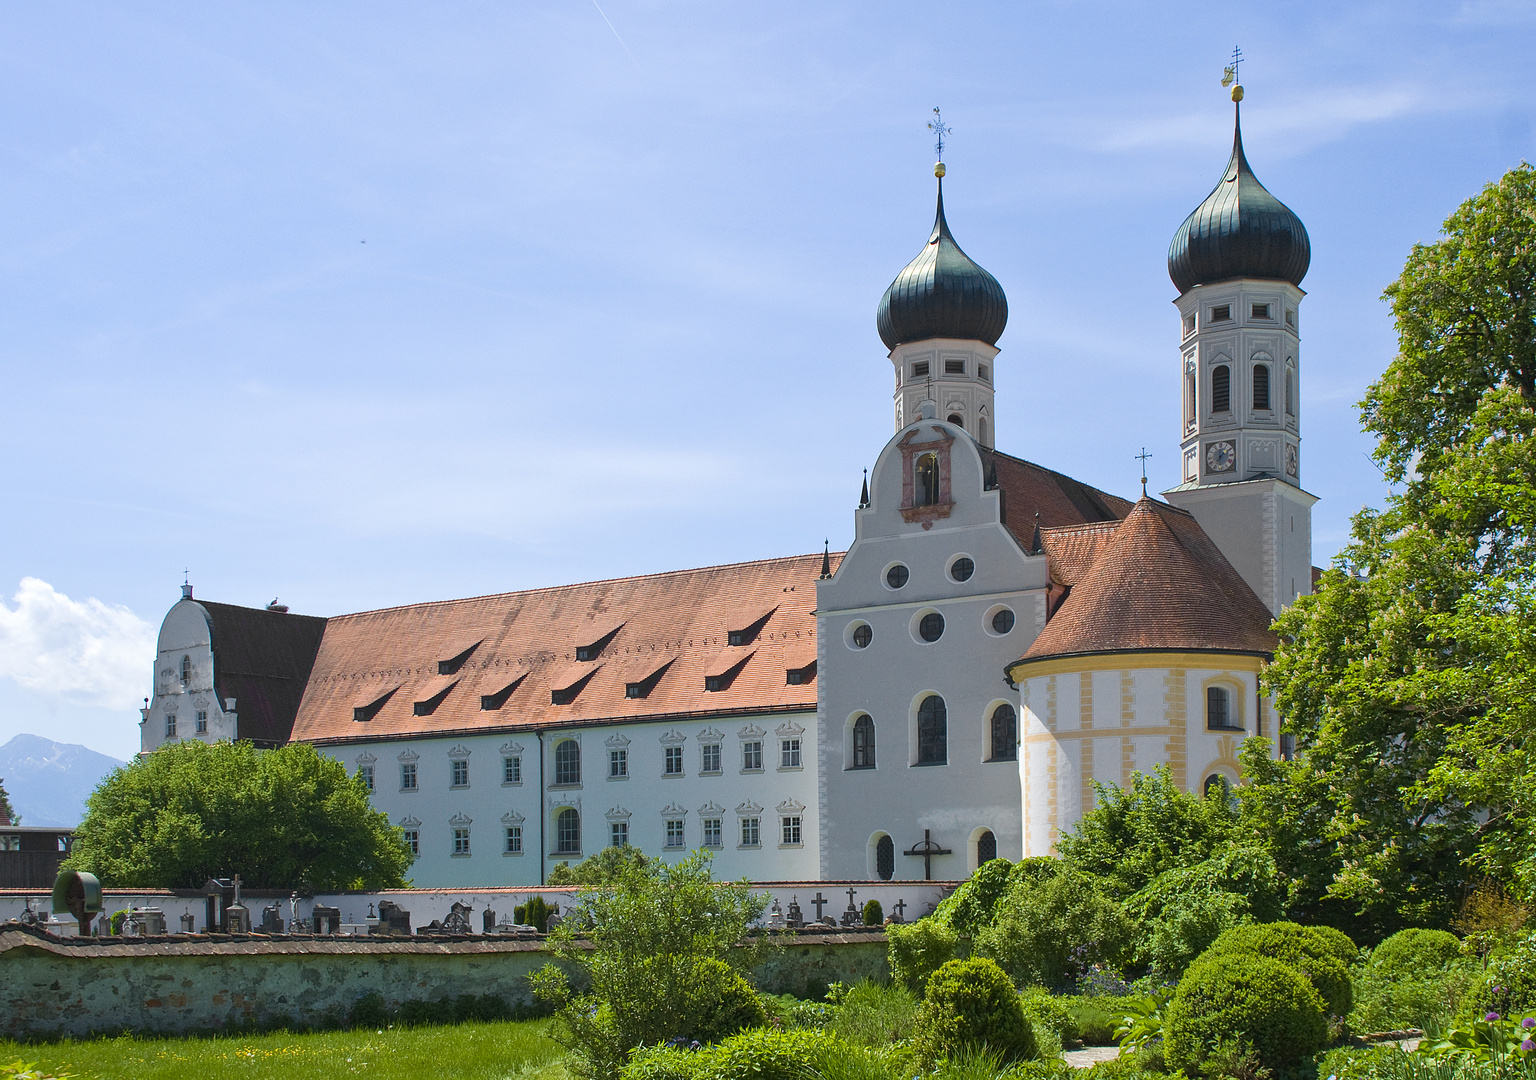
(1135, 833)
(285, 818)
(662, 948)
(607, 865)
(1049, 932)
(7, 811)
(1186, 909)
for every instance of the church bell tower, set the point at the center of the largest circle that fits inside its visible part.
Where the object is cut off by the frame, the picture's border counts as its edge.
(1238, 262)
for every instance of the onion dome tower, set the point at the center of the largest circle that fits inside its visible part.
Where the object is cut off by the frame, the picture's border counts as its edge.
(1238, 262)
(941, 319)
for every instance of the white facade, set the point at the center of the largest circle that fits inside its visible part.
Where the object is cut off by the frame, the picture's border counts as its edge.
(958, 376)
(184, 705)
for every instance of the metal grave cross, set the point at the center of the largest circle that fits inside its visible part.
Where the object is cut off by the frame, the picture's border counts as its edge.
(927, 849)
(820, 902)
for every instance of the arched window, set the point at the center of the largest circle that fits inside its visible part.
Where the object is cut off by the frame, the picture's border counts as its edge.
(1216, 786)
(1218, 709)
(986, 848)
(981, 430)
(1261, 386)
(954, 418)
(1221, 389)
(1190, 396)
(926, 480)
(932, 731)
(864, 742)
(186, 669)
(1005, 733)
(885, 859)
(567, 832)
(567, 762)
(1290, 392)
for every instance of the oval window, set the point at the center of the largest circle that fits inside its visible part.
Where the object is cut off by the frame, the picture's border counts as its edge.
(863, 635)
(962, 569)
(1002, 622)
(897, 576)
(931, 628)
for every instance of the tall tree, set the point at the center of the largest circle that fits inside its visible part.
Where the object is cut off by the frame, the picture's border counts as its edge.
(285, 818)
(8, 815)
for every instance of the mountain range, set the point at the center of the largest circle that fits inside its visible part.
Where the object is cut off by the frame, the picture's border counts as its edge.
(48, 781)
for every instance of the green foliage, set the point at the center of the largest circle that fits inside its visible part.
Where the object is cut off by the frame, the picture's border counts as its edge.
(1411, 951)
(659, 945)
(1053, 1013)
(1045, 929)
(1226, 997)
(969, 908)
(1142, 1019)
(1135, 833)
(1096, 1018)
(1414, 979)
(874, 914)
(289, 818)
(917, 950)
(875, 1014)
(972, 1005)
(1310, 951)
(535, 913)
(1494, 1039)
(28, 1070)
(1184, 909)
(8, 814)
(760, 1055)
(1508, 984)
(598, 869)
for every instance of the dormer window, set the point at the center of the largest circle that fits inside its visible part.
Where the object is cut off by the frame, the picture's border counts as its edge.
(748, 634)
(920, 369)
(642, 688)
(954, 367)
(452, 665)
(1221, 313)
(801, 675)
(366, 712)
(595, 649)
(925, 476)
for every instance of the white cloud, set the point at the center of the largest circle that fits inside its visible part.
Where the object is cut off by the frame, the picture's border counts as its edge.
(84, 651)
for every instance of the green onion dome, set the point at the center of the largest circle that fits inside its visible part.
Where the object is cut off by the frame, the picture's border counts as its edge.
(1239, 231)
(942, 294)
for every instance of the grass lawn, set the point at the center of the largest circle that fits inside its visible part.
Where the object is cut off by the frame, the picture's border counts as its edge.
(483, 1051)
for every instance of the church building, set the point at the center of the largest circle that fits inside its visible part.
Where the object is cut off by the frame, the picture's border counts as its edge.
(997, 638)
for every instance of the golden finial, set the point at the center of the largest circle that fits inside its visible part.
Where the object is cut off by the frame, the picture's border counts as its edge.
(1229, 74)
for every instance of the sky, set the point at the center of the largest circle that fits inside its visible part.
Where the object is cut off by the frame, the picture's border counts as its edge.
(360, 304)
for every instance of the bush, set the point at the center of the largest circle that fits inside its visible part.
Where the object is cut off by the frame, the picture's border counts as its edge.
(1184, 909)
(1314, 951)
(969, 908)
(1096, 1019)
(1047, 931)
(719, 1003)
(1413, 979)
(874, 1014)
(917, 950)
(1227, 997)
(534, 913)
(762, 1054)
(1507, 985)
(1415, 952)
(972, 1005)
(1050, 1012)
(874, 914)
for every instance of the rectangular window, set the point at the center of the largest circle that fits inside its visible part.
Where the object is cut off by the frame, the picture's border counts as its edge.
(920, 369)
(514, 840)
(460, 773)
(413, 840)
(365, 774)
(1290, 317)
(751, 832)
(789, 754)
(791, 829)
(1189, 323)
(170, 725)
(954, 367)
(711, 753)
(674, 761)
(202, 727)
(618, 833)
(618, 763)
(512, 769)
(752, 756)
(1261, 311)
(1223, 313)
(408, 776)
(461, 841)
(712, 832)
(983, 372)
(674, 832)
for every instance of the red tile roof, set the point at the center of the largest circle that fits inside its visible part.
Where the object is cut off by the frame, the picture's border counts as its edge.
(1029, 489)
(262, 659)
(1153, 581)
(680, 620)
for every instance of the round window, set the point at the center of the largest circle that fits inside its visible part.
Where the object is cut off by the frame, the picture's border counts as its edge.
(931, 628)
(863, 635)
(897, 576)
(1002, 622)
(962, 569)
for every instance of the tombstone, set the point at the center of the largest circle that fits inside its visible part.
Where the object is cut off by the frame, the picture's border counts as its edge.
(796, 917)
(188, 922)
(327, 919)
(237, 919)
(552, 922)
(775, 916)
(271, 919)
(218, 894)
(393, 919)
(851, 916)
(457, 921)
(897, 909)
(487, 921)
(28, 917)
(151, 922)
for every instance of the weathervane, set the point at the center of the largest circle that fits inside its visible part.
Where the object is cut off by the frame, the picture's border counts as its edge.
(1143, 458)
(939, 129)
(1230, 74)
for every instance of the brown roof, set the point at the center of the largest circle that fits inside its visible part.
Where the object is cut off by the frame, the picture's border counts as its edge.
(262, 659)
(1154, 581)
(1029, 489)
(680, 621)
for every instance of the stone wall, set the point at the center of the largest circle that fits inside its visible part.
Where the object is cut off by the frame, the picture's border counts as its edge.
(53, 986)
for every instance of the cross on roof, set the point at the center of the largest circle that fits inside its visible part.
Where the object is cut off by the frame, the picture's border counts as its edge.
(1231, 74)
(1143, 457)
(939, 129)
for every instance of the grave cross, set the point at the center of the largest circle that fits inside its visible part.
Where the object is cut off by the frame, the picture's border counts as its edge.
(927, 849)
(820, 902)
(851, 891)
(898, 908)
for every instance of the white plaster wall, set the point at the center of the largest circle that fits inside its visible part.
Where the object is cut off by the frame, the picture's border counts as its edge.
(966, 394)
(185, 632)
(887, 679)
(1264, 528)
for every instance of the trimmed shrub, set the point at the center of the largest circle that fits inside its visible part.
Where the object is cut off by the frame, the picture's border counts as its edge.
(874, 914)
(762, 1054)
(720, 1003)
(1336, 942)
(1045, 932)
(1409, 953)
(1050, 1012)
(534, 913)
(1507, 985)
(972, 1005)
(917, 950)
(1414, 978)
(1315, 955)
(1235, 996)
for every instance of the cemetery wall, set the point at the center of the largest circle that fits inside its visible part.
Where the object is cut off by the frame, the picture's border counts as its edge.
(51, 986)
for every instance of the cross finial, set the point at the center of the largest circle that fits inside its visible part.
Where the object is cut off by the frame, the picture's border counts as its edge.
(1142, 457)
(1231, 74)
(939, 129)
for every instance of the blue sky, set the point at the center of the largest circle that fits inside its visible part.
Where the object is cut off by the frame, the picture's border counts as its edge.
(363, 304)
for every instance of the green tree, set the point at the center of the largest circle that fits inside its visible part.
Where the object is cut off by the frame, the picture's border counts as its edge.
(8, 813)
(606, 865)
(281, 819)
(662, 949)
(1135, 833)
(1047, 932)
